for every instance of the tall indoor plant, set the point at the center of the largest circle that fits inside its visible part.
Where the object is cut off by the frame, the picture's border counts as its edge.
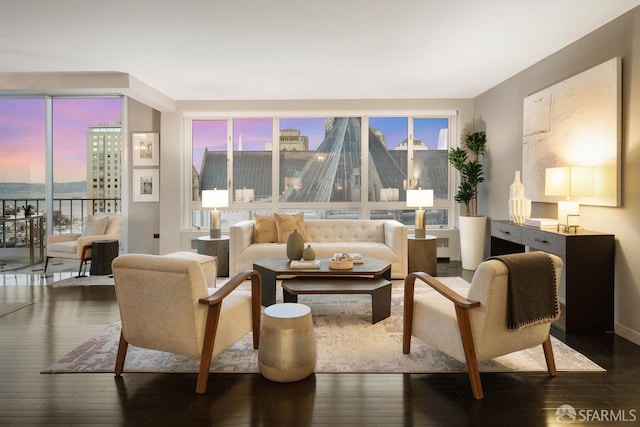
(467, 161)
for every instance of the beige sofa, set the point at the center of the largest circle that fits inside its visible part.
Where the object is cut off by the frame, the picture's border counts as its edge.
(381, 239)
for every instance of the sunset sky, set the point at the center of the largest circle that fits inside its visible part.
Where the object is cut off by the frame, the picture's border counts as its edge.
(22, 136)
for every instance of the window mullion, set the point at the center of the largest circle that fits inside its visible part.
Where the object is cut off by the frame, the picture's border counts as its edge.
(365, 209)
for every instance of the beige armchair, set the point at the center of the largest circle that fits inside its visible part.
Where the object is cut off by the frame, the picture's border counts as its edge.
(473, 327)
(165, 305)
(78, 246)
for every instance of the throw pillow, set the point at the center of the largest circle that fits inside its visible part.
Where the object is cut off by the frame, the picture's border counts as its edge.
(287, 223)
(265, 230)
(95, 226)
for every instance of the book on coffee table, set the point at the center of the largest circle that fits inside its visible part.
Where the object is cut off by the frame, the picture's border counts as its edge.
(355, 256)
(304, 264)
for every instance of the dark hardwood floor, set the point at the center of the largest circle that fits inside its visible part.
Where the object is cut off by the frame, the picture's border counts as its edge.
(62, 318)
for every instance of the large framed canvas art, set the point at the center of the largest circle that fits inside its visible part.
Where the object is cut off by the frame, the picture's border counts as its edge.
(576, 123)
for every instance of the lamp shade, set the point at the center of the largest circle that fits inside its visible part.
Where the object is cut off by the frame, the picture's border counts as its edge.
(582, 181)
(215, 198)
(557, 181)
(419, 198)
(569, 181)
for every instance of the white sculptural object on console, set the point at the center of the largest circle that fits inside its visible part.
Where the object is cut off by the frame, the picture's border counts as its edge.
(519, 206)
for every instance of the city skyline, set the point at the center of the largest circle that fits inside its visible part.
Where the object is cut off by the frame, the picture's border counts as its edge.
(256, 132)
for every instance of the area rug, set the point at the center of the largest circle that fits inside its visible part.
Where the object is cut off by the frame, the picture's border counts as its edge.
(346, 342)
(84, 281)
(10, 307)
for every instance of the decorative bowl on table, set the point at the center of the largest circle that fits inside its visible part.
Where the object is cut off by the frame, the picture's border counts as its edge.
(341, 262)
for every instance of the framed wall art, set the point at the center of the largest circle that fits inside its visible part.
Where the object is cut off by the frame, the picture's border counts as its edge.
(146, 185)
(576, 123)
(145, 149)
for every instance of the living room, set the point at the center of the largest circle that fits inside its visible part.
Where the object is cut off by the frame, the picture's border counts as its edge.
(500, 107)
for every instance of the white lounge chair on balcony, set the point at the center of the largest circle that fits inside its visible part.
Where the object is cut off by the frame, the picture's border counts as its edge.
(78, 246)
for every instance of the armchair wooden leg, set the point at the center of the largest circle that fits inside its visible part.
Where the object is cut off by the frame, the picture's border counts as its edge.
(464, 324)
(46, 263)
(256, 307)
(407, 327)
(121, 356)
(83, 258)
(207, 348)
(548, 356)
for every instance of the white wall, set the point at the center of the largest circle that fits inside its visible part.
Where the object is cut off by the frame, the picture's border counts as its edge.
(502, 107)
(142, 219)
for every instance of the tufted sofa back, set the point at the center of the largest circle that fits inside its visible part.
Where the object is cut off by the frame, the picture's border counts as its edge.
(344, 230)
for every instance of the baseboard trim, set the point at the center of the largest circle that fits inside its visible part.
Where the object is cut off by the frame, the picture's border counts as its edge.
(628, 333)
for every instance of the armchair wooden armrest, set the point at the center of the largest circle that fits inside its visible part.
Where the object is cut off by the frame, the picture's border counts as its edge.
(221, 292)
(214, 301)
(444, 290)
(462, 304)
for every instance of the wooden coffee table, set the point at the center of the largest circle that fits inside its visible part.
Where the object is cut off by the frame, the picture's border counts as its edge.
(274, 268)
(379, 289)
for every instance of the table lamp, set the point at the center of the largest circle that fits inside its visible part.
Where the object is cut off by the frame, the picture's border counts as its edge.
(215, 199)
(569, 181)
(420, 198)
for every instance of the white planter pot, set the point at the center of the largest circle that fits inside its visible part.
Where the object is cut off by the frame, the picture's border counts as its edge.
(472, 232)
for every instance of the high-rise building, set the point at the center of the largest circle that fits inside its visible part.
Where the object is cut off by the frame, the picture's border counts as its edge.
(104, 147)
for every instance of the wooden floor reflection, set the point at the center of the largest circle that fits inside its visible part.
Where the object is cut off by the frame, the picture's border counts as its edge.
(62, 318)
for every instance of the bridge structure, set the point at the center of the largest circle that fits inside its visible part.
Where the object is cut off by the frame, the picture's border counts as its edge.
(331, 173)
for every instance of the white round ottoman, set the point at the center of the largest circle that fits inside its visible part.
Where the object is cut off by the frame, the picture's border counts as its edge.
(287, 349)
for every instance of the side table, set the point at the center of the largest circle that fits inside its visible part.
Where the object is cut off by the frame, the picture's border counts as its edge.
(103, 252)
(287, 343)
(217, 247)
(423, 254)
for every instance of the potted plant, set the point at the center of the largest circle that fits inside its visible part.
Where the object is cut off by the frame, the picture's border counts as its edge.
(466, 160)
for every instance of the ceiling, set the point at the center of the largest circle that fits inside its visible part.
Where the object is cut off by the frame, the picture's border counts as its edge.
(297, 49)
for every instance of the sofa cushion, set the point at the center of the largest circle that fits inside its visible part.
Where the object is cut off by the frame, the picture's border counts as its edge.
(265, 230)
(67, 247)
(287, 223)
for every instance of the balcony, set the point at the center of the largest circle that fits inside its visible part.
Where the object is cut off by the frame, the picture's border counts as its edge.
(22, 237)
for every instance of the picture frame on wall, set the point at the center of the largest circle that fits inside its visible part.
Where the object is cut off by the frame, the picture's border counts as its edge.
(145, 149)
(146, 185)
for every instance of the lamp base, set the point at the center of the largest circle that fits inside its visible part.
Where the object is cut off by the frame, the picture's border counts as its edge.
(568, 215)
(419, 230)
(215, 231)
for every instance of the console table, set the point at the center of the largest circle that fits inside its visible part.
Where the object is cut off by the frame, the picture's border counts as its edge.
(586, 285)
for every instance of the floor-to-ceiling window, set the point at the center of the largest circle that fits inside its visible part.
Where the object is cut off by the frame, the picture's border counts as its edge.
(87, 145)
(85, 160)
(22, 173)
